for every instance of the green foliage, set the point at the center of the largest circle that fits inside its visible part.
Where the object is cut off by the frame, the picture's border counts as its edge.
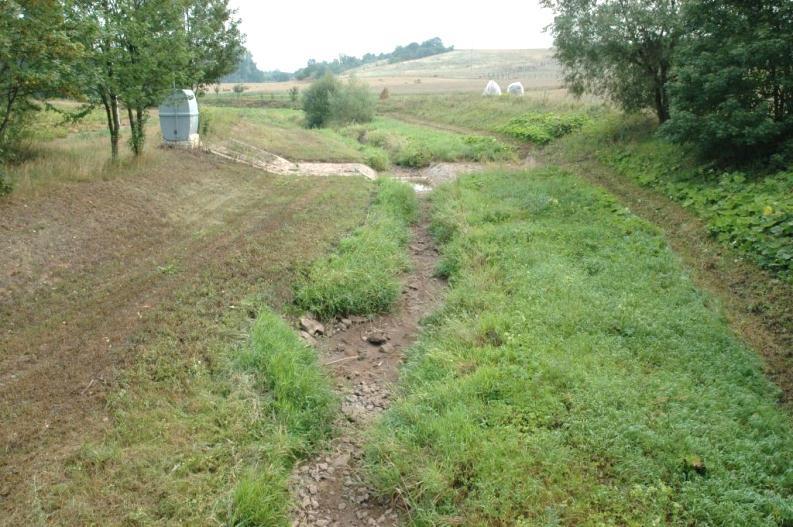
(316, 101)
(542, 128)
(300, 409)
(751, 214)
(574, 376)
(733, 89)
(239, 88)
(377, 159)
(36, 54)
(418, 146)
(351, 103)
(5, 184)
(261, 499)
(362, 276)
(621, 49)
(294, 93)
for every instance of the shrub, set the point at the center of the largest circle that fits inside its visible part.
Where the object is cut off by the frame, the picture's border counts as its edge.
(239, 88)
(316, 100)
(328, 100)
(375, 158)
(5, 184)
(385, 94)
(351, 103)
(294, 92)
(542, 128)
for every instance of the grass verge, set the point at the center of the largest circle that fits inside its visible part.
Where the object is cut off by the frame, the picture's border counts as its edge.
(417, 146)
(295, 411)
(362, 276)
(576, 377)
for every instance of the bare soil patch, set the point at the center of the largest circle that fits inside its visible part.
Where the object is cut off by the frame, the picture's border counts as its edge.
(364, 356)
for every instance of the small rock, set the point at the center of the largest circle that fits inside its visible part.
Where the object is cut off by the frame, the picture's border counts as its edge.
(312, 489)
(342, 460)
(311, 326)
(377, 338)
(346, 322)
(386, 348)
(308, 338)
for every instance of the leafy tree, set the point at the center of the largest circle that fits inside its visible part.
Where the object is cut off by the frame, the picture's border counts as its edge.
(139, 49)
(316, 100)
(327, 100)
(36, 52)
(733, 93)
(352, 103)
(621, 49)
(214, 41)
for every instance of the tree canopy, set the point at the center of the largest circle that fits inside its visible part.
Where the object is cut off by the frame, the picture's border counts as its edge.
(733, 89)
(620, 49)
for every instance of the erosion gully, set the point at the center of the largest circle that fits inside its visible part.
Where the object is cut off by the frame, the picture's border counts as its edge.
(364, 356)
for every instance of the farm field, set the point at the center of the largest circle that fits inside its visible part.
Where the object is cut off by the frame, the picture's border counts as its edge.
(574, 323)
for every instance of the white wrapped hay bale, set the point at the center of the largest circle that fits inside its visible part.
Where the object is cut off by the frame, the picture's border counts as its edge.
(492, 89)
(516, 88)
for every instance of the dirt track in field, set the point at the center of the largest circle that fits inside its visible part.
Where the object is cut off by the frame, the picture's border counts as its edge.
(364, 356)
(83, 267)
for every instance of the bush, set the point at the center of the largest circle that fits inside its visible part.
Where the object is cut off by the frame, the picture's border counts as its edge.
(5, 184)
(377, 159)
(316, 101)
(352, 103)
(328, 100)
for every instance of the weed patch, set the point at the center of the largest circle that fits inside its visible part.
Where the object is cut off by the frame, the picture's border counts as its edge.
(576, 377)
(362, 276)
(542, 128)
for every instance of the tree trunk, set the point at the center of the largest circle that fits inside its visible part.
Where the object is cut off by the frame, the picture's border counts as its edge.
(12, 93)
(137, 121)
(661, 97)
(110, 102)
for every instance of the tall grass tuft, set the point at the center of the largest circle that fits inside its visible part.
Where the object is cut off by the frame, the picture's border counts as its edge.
(298, 411)
(362, 276)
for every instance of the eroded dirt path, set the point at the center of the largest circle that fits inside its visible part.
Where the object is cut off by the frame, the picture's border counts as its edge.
(364, 356)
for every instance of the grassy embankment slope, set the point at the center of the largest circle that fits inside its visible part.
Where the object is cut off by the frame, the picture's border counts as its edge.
(576, 377)
(749, 210)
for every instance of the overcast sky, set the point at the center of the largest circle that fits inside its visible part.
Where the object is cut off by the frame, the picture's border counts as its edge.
(284, 34)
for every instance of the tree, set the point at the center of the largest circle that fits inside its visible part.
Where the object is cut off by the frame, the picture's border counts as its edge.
(733, 93)
(139, 49)
(214, 41)
(36, 53)
(621, 49)
(316, 100)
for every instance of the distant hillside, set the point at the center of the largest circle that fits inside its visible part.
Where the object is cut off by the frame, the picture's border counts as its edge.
(501, 64)
(414, 50)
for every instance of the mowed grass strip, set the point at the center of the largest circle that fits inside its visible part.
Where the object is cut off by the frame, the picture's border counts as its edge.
(362, 276)
(576, 377)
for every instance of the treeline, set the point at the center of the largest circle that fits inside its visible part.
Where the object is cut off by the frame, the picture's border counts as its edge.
(248, 71)
(123, 56)
(414, 50)
(717, 73)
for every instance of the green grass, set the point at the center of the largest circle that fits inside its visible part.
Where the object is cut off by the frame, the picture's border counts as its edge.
(749, 210)
(418, 146)
(277, 130)
(362, 276)
(576, 377)
(474, 112)
(296, 412)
